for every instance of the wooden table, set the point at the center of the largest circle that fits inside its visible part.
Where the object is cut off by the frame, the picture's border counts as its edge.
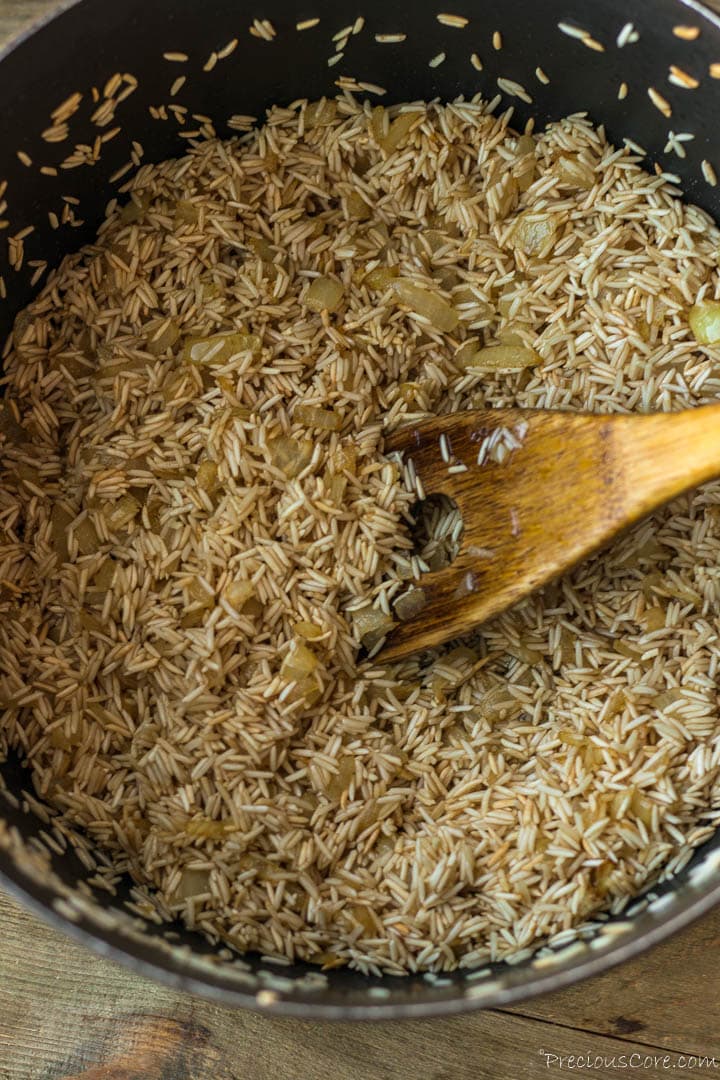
(65, 1013)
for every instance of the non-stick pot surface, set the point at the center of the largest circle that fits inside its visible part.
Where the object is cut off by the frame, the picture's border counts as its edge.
(582, 68)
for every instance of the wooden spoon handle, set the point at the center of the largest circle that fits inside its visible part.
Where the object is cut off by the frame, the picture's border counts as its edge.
(663, 454)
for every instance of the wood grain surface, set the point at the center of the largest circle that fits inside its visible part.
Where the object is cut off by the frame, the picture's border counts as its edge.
(574, 481)
(66, 1014)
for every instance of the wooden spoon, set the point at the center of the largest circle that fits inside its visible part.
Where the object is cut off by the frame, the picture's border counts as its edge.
(575, 481)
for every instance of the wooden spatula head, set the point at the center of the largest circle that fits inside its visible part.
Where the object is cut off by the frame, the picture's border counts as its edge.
(571, 482)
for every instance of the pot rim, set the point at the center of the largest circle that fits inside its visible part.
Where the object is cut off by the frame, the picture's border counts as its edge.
(39, 898)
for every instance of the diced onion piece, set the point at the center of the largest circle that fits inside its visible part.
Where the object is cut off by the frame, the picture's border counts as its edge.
(226, 383)
(409, 392)
(435, 309)
(434, 238)
(305, 690)
(525, 168)
(100, 713)
(516, 333)
(379, 125)
(237, 593)
(474, 307)
(357, 208)
(504, 197)
(371, 625)
(447, 277)
(135, 208)
(104, 575)
(452, 669)
(289, 455)
(219, 349)
(60, 521)
(28, 472)
(86, 537)
(263, 249)
(498, 703)
(410, 604)
(524, 653)
(186, 212)
(109, 365)
(9, 426)
(534, 233)
(360, 915)
(308, 630)
(654, 618)
(651, 550)
(210, 290)
(502, 358)
(195, 617)
(367, 816)
(345, 459)
(162, 336)
(313, 417)
(668, 697)
(616, 703)
(315, 226)
(207, 476)
(575, 173)
(704, 320)
(650, 582)
(571, 738)
(385, 844)
(567, 646)
(198, 593)
(319, 113)
(683, 592)
(335, 485)
(324, 294)
(69, 361)
(398, 130)
(91, 622)
(59, 740)
(192, 883)
(505, 304)
(381, 277)
(206, 830)
(252, 860)
(467, 350)
(121, 513)
(299, 663)
(340, 781)
(253, 607)
(642, 808)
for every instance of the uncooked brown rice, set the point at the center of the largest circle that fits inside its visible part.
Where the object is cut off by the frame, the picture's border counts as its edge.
(687, 33)
(188, 546)
(660, 103)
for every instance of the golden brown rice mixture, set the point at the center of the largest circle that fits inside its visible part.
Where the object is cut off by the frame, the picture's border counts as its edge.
(199, 524)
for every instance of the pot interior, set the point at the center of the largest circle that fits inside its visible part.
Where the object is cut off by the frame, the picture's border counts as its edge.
(60, 189)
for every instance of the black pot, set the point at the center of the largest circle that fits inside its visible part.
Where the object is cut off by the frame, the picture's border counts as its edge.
(82, 47)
